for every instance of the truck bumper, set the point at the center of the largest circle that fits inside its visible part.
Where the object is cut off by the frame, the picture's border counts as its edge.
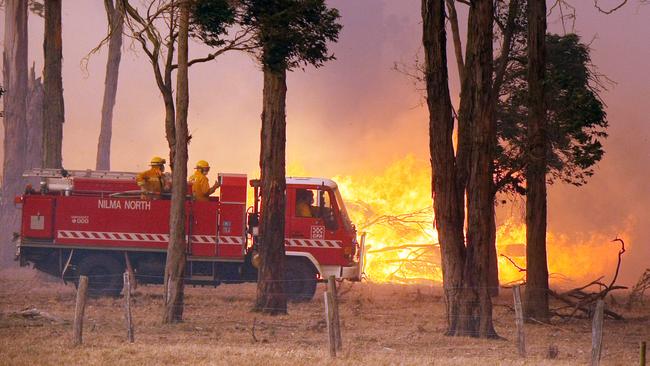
(341, 272)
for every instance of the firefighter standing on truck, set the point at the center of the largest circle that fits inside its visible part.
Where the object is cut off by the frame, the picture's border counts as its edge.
(153, 181)
(201, 189)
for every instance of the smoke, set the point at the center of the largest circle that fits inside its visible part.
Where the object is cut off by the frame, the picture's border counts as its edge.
(356, 114)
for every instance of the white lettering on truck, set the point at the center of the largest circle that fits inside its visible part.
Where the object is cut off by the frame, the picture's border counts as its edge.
(128, 205)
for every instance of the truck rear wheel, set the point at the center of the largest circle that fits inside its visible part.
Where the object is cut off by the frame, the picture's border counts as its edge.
(300, 280)
(104, 274)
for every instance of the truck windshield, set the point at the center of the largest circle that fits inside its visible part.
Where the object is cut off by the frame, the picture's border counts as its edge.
(344, 213)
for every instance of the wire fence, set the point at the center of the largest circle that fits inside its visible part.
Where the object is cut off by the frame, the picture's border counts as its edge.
(372, 309)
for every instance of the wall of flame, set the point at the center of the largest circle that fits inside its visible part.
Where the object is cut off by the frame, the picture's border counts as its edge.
(393, 207)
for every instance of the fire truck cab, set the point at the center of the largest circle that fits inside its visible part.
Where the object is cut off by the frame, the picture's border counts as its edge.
(98, 224)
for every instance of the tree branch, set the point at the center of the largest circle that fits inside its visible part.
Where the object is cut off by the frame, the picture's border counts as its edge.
(610, 10)
(506, 47)
(455, 32)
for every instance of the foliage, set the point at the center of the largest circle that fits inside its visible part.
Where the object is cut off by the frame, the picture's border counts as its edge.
(210, 19)
(576, 116)
(291, 33)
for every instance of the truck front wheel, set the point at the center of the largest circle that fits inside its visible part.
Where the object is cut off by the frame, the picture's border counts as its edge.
(300, 280)
(104, 274)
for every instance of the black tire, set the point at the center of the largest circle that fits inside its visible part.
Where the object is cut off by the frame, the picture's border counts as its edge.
(104, 274)
(300, 280)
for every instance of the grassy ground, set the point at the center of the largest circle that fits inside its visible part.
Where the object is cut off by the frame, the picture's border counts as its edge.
(381, 325)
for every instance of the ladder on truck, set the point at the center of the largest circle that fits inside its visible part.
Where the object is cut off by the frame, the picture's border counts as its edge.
(64, 173)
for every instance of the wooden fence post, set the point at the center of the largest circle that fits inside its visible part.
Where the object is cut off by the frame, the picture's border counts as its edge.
(597, 333)
(642, 353)
(329, 317)
(519, 321)
(129, 268)
(331, 288)
(80, 306)
(127, 307)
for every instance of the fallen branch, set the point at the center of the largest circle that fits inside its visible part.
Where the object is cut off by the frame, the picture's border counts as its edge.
(33, 313)
(636, 295)
(583, 307)
(579, 300)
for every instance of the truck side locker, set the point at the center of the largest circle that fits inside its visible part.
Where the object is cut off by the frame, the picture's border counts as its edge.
(38, 217)
(231, 226)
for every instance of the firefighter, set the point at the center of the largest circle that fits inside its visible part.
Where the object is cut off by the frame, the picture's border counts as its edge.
(201, 189)
(153, 181)
(304, 201)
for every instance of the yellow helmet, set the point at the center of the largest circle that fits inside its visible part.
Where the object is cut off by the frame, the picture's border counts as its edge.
(202, 164)
(156, 160)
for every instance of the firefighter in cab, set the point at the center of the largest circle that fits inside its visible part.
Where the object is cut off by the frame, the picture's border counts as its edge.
(201, 189)
(304, 203)
(154, 181)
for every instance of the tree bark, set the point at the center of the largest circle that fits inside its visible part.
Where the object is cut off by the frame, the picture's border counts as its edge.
(53, 112)
(270, 289)
(166, 91)
(15, 109)
(448, 201)
(476, 308)
(493, 261)
(176, 251)
(455, 35)
(499, 75)
(465, 268)
(34, 154)
(115, 16)
(536, 296)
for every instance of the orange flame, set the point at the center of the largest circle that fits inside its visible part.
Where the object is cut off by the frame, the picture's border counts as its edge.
(394, 208)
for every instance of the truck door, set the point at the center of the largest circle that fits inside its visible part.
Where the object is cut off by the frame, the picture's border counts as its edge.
(311, 216)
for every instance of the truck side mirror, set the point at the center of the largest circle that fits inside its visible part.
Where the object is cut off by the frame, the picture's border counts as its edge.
(253, 220)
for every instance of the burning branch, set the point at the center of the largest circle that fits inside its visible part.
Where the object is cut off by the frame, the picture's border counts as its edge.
(639, 289)
(406, 259)
(521, 269)
(579, 300)
(582, 301)
(403, 247)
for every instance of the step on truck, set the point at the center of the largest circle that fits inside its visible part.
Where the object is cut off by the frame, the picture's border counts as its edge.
(98, 224)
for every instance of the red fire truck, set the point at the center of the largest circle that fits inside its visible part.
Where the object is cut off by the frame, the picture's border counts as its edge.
(97, 224)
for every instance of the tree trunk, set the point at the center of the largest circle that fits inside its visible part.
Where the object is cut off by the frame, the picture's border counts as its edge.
(34, 154)
(493, 262)
(116, 24)
(499, 74)
(536, 296)
(53, 113)
(448, 201)
(15, 108)
(166, 89)
(175, 266)
(270, 289)
(455, 35)
(465, 269)
(476, 308)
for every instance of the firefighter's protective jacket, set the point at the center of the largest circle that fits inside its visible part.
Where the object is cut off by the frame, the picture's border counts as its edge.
(151, 180)
(201, 189)
(303, 209)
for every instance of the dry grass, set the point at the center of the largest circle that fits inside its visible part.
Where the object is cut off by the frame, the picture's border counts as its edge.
(382, 325)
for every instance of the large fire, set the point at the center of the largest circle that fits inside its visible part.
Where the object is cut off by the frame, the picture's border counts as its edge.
(394, 208)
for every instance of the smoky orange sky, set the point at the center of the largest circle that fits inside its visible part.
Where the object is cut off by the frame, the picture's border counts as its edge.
(356, 115)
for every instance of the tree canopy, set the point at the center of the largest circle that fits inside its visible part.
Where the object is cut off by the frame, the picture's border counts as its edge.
(577, 120)
(210, 20)
(291, 33)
